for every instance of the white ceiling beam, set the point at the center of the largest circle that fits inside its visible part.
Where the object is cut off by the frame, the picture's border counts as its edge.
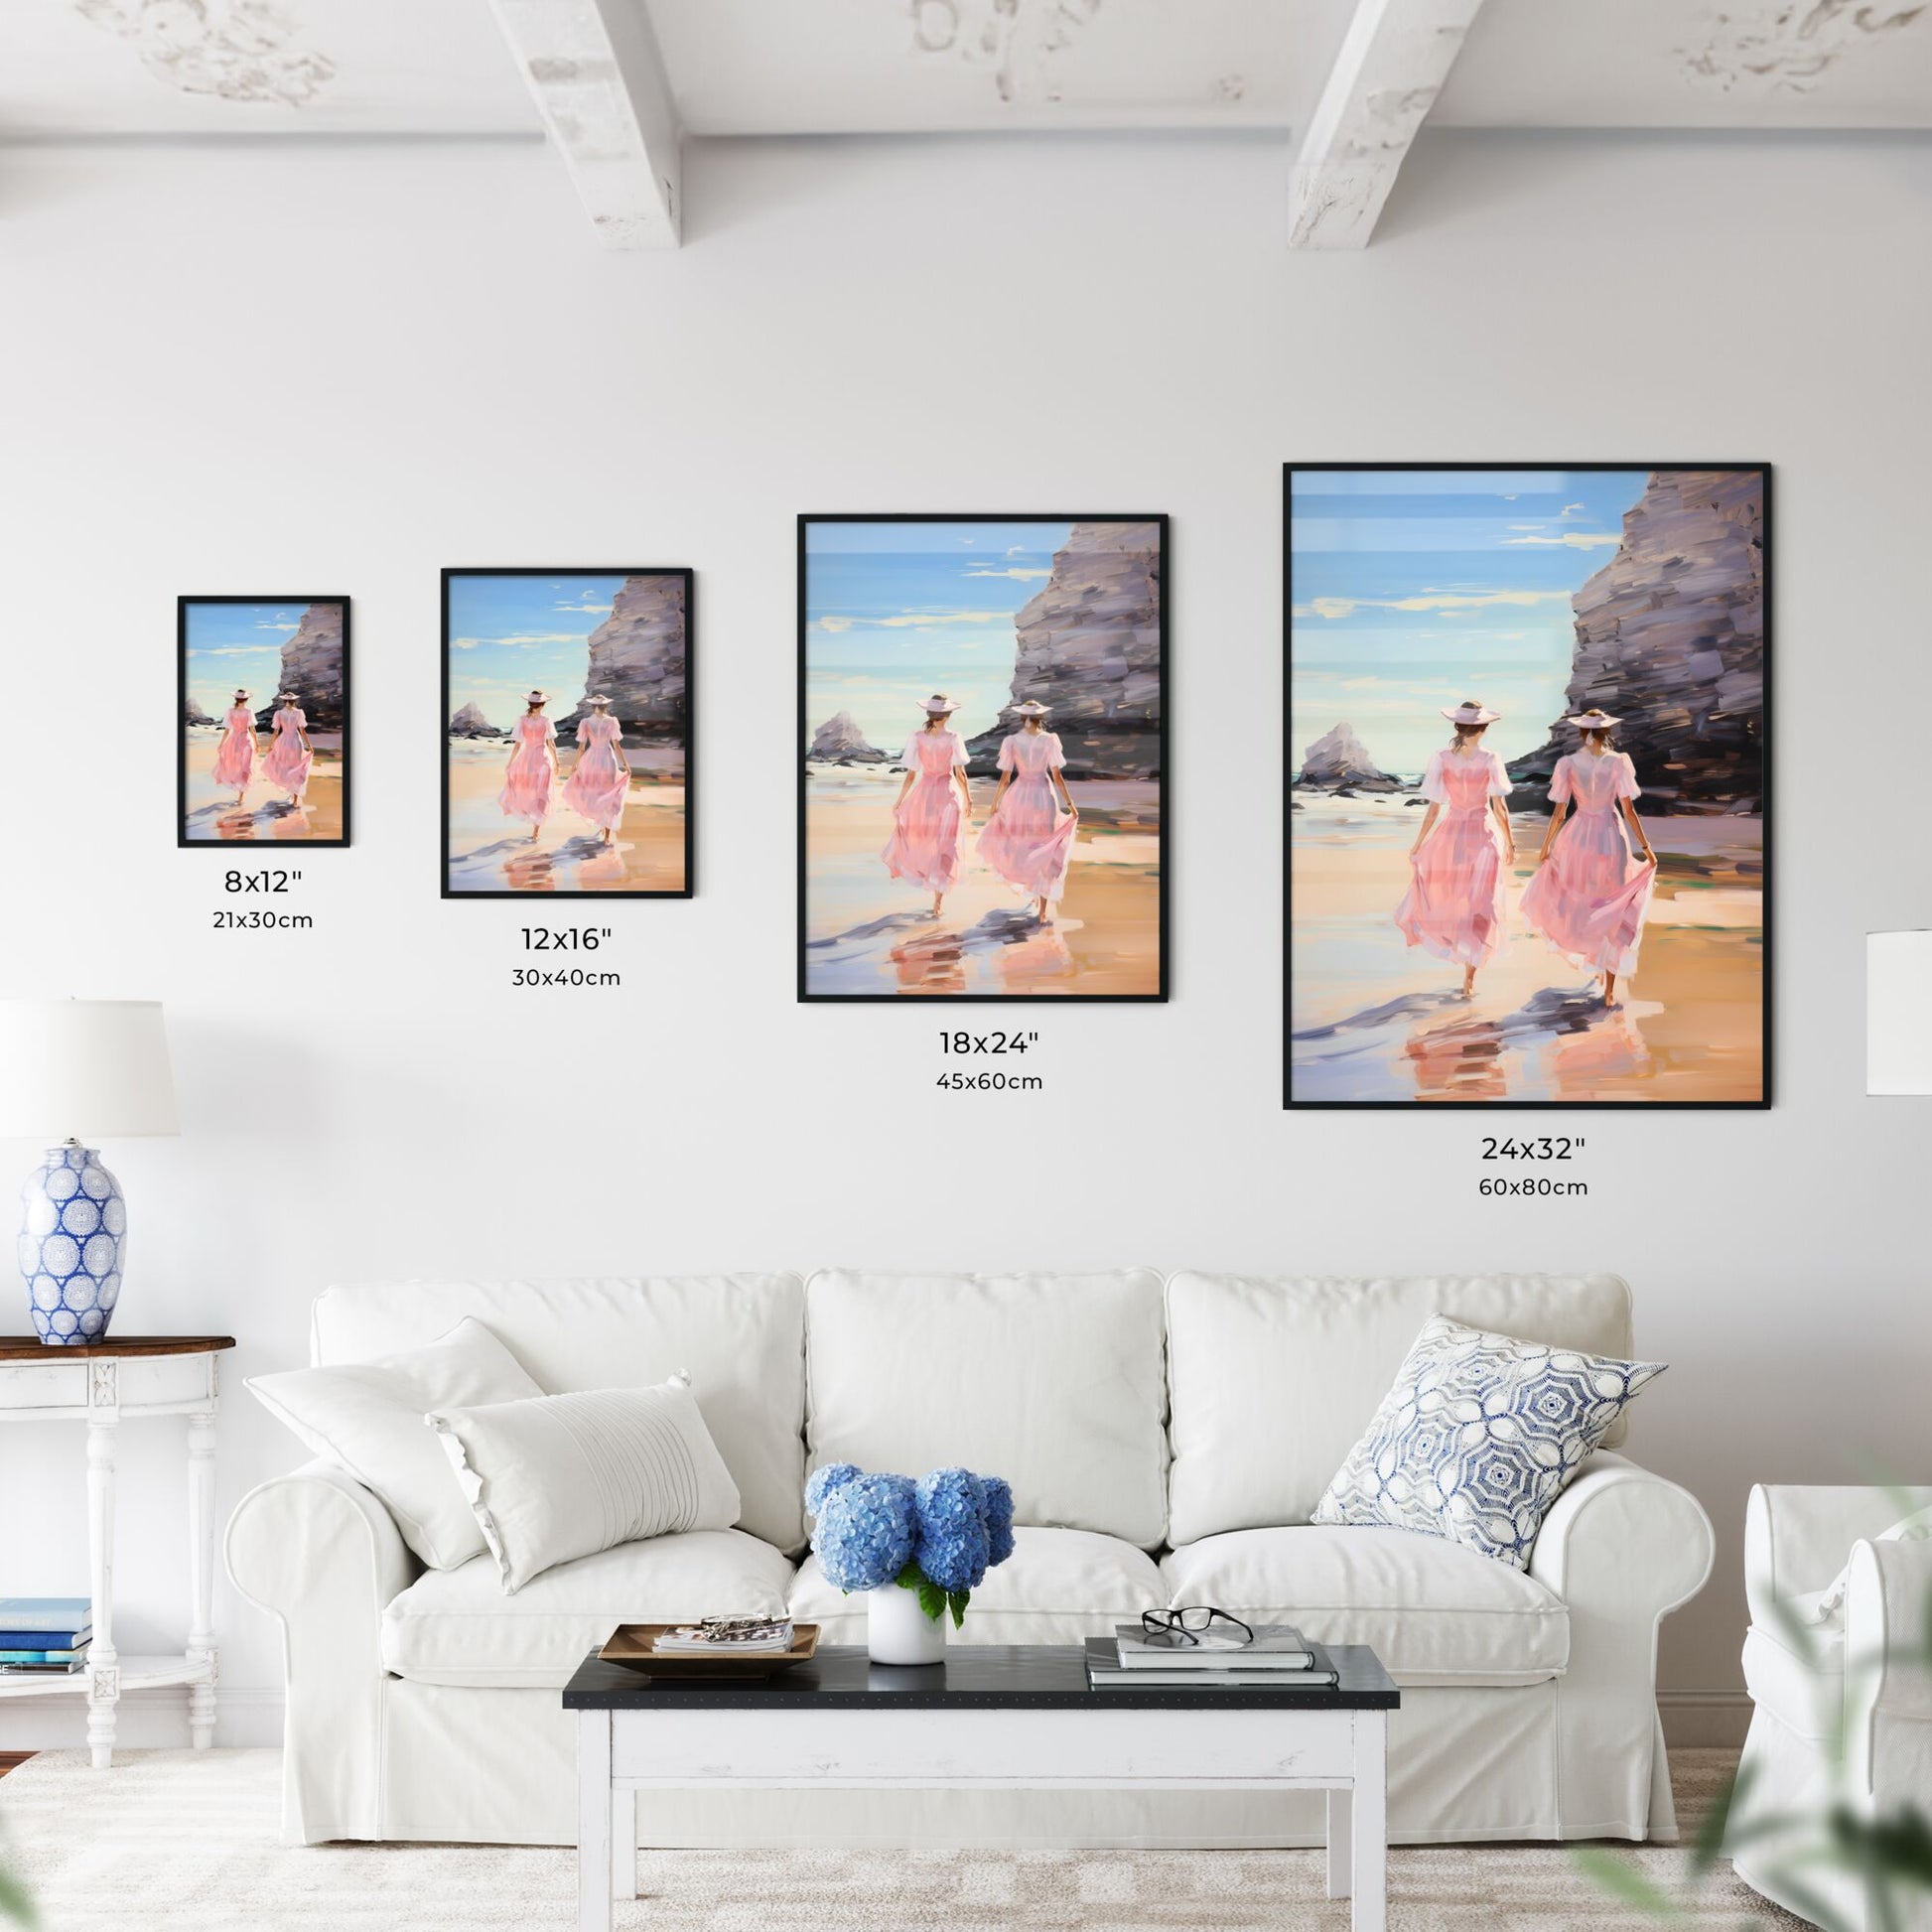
(599, 82)
(1393, 62)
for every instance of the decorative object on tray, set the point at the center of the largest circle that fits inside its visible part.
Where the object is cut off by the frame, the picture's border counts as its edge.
(678, 1650)
(95, 1069)
(918, 1549)
(1478, 1436)
(1108, 1669)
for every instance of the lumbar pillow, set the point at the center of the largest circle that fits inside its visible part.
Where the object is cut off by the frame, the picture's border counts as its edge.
(558, 1476)
(1478, 1436)
(367, 1418)
(1828, 1606)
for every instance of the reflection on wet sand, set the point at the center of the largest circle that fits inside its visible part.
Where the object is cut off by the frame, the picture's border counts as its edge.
(1580, 1042)
(264, 813)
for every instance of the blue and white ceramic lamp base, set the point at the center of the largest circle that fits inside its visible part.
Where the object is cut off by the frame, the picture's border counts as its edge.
(73, 1239)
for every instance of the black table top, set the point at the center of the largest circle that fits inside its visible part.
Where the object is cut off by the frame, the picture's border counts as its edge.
(995, 1677)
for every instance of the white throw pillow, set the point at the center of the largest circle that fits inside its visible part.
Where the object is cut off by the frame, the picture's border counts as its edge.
(1478, 1436)
(1830, 1604)
(367, 1418)
(558, 1476)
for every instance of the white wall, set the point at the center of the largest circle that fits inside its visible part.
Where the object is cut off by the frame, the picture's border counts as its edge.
(319, 368)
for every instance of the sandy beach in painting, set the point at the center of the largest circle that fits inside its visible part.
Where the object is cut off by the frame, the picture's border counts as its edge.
(265, 812)
(1373, 1020)
(868, 932)
(489, 852)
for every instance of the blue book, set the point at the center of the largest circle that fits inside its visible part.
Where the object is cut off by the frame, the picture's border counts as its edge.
(74, 1656)
(45, 1639)
(61, 1613)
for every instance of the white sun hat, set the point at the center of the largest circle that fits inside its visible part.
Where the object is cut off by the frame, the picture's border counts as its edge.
(1592, 720)
(939, 706)
(595, 698)
(536, 697)
(1032, 708)
(1468, 712)
(288, 697)
(240, 694)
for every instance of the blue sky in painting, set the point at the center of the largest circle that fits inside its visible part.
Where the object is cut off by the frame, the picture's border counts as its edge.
(897, 611)
(1416, 588)
(237, 645)
(509, 633)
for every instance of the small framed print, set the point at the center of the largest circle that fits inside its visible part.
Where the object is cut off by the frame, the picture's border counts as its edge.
(264, 720)
(568, 715)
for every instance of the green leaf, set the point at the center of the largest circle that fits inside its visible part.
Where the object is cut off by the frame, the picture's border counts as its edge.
(1626, 1882)
(932, 1600)
(957, 1602)
(14, 1901)
(911, 1577)
(1707, 1846)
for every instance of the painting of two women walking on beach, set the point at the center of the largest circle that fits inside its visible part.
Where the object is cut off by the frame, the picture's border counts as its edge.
(1527, 809)
(264, 720)
(567, 700)
(983, 748)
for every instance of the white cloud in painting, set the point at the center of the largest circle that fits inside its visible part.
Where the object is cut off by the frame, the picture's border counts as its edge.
(918, 619)
(520, 640)
(1015, 550)
(987, 570)
(1574, 510)
(1344, 607)
(1573, 540)
(833, 625)
(265, 625)
(588, 604)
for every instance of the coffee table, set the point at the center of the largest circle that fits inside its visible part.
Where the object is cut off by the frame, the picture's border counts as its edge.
(1019, 1717)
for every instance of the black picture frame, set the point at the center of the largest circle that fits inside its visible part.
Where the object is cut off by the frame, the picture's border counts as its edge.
(1165, 841)
(182, 605)
(689, 577)
(1767, 1041)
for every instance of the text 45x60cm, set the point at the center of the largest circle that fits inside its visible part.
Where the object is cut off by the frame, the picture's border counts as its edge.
(990, 1083)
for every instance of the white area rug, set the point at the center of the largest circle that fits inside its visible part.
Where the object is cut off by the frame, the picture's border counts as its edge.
(170, 1841)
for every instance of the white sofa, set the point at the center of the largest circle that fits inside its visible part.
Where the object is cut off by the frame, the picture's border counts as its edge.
(1821, 1734)
(1166, 1443)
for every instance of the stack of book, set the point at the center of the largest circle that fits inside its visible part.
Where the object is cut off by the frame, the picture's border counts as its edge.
(45, 1633)
(1278, 1657)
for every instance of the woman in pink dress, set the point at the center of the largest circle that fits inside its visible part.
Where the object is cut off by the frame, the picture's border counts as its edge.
(1453, 907)
(289, 755)
(1590, 892)
(532, 769)
(234, 756)
(933, 806)
(1027, 840)
(600, 780)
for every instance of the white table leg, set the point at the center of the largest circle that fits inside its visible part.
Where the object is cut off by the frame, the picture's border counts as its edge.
(623, 1844)
(1340, 1835)
(594, 1821)
(1371, 1909)
(103, 1670)
(200, 1553)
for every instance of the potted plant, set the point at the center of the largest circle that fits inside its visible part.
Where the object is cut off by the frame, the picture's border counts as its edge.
(917, 1548)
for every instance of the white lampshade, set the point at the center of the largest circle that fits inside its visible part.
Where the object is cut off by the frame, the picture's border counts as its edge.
(1898, 1013)
(89, 1069)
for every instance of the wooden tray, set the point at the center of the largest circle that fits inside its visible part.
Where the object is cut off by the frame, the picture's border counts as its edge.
(630, 1646)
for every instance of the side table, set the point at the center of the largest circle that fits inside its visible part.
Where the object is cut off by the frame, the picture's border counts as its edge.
(100, 1384)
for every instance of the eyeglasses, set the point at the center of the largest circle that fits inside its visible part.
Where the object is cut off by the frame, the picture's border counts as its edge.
(1182, 1628)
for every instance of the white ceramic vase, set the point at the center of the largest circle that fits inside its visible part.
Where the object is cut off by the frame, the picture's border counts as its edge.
(898, 1631)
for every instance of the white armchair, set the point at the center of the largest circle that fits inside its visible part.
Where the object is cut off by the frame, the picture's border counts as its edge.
(1842, 1707)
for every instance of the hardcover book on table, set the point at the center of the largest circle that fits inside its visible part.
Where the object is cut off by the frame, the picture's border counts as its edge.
(1271, 1646)
(64, 1616)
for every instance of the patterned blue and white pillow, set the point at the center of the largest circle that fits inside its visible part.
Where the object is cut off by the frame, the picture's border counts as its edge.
(1480, 1434)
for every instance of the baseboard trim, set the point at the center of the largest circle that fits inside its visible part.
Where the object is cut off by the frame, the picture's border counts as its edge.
(1705, 1718)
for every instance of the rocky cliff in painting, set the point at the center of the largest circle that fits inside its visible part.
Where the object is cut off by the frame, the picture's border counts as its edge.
(839, 740)
(1089, 649)
(469, 721)
(1338, 757)
(639, 660)
(312, 667)
(193, 714)
(1670, 639)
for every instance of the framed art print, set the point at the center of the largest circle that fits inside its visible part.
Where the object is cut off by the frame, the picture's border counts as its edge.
(1527, 823)
(983, 770)
(568, 733)
(262, 696)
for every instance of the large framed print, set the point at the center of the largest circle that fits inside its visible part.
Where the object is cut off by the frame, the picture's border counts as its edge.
(569, 713)
(1527, 818)
(262, 752)
(983, 757)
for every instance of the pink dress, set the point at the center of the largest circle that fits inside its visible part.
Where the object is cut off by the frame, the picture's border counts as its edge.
(1589, 897)
(526, 788)
(1029, 840)
(234, 756)
(926, 828)
(599, 784)
(287, 765)
(1453, 907)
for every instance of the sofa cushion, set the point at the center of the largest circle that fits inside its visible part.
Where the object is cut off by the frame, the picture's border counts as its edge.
(1057, 1587)
(1435, 1612)
(456, 1626)
(1271, 1380)
(1055, 1382)
(1799, 1678)
(740, 1338)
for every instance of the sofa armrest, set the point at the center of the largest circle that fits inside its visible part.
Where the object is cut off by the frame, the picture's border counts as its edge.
(1622, 1548)
(322, 1556)
(1797, 1537)
(1888, 1671)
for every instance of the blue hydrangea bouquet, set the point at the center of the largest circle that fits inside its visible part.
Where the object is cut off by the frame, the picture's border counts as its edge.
(938, 1536)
